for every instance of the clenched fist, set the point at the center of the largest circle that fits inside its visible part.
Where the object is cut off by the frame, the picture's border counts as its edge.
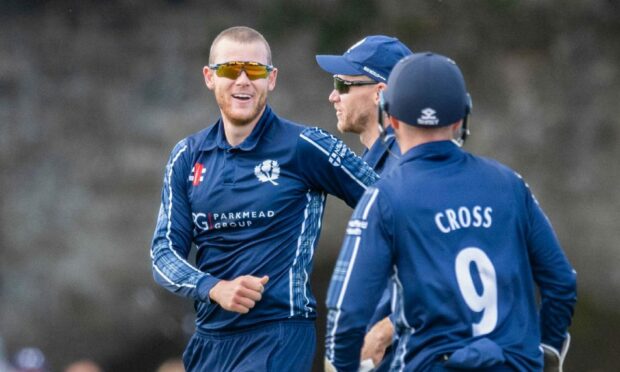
(240, 294)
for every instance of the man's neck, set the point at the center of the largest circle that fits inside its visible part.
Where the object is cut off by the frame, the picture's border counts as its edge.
(237, 133)
(422, 136)
(370, 135)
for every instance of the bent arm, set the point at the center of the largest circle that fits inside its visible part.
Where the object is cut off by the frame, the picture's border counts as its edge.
(357, 282)
(555, 277)
(329, 165)
(173, 234)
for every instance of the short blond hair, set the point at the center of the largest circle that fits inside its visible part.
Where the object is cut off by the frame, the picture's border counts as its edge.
(240, 34)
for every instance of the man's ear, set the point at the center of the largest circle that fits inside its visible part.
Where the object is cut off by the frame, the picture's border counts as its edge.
(208, 75)
(456, 127)
(394, 122)
(273, 75)
(379, 88)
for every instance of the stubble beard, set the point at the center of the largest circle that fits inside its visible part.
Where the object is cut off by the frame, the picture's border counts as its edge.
(356, 124)
(240, 117)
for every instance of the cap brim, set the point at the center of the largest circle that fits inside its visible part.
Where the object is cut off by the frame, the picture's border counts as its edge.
(337, 65)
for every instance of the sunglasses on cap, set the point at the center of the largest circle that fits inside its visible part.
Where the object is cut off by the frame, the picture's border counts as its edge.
(342, 86)
(232, 70)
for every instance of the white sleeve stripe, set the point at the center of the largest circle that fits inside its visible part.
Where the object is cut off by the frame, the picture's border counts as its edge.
(166, 278)
(290, 290)
(312, 251)
(399, 355)
(353, 177)
(327, 153)
(399, 285)
(300, 240)
(373, 197)
(297, 253)
(169, 215)
(551, 349)
(314, 144)
(343, 290)
(345, 283)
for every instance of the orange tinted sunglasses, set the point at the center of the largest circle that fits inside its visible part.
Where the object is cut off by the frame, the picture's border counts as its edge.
(232, 70)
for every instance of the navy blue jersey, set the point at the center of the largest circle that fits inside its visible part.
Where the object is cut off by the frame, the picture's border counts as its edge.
(384, 154)
(466, 243)
(254, 209)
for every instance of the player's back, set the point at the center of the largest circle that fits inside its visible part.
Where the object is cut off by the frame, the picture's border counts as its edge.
(459, 226)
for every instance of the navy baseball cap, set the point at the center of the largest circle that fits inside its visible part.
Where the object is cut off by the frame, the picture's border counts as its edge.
(373, 56)
(427, 90)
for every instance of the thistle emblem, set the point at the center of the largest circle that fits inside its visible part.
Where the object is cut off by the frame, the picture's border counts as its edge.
(268, 171)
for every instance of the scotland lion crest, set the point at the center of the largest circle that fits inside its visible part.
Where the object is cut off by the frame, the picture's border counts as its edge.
(268, 171)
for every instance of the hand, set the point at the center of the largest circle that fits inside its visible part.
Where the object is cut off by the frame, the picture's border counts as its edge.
(377, 340)
(240, 294)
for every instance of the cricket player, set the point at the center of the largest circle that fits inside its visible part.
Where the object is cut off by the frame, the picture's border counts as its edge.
(249, 193)
(360, 74)
(463, 237)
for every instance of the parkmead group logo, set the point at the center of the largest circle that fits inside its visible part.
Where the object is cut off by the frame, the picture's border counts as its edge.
(205, 221)
(268, 171)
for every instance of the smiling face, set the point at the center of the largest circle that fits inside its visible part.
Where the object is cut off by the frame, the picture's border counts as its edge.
(241, 100)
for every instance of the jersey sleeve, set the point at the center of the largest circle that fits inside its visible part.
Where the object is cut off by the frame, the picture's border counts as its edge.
(384, 307)
(329, 165)
(358, 280)
(173, 235)
(555, 277)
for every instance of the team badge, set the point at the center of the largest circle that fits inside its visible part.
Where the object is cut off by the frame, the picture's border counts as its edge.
(268, 171)
(338, 152)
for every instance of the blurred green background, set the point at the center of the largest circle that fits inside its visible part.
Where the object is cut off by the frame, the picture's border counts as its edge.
(94, 94)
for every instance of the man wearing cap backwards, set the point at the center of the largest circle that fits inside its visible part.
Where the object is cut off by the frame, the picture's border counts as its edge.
(360, 74)
(464, 239)
(249, 193)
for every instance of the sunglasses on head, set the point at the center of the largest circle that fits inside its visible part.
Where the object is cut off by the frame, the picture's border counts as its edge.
(342, 86)
(232, 70)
